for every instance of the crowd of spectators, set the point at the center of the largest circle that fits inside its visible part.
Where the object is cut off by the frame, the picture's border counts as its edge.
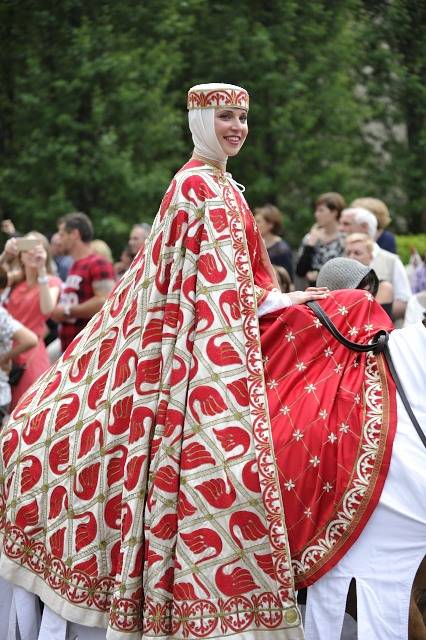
(359, 231)
(50, 289)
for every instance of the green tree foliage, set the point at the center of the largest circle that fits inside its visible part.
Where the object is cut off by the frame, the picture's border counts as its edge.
(393, 74)
(296, 59)
(406, 243)
(92, 103)
(85, 118)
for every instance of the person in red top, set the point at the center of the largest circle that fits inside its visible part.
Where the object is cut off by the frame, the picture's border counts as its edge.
(31, 302)
(90, 279)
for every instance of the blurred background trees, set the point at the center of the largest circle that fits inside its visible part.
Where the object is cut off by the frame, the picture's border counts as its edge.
(93, 113)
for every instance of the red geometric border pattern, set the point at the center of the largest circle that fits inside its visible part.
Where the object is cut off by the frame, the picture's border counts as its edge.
(198, 620)
(202, 99)
(268, 476)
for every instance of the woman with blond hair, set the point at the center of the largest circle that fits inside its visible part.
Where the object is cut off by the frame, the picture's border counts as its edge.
(384, 238)
(360, 247)
(31, 302)
(101, 248)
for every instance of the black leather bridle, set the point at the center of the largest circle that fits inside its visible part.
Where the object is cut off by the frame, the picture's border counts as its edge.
(379, 344)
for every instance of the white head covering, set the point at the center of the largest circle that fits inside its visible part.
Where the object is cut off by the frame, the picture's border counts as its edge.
(202, 101)
(206, 144)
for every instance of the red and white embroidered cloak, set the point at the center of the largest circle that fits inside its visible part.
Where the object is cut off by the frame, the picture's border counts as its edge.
(139, 486)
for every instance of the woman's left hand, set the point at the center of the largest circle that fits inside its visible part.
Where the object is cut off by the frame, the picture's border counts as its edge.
(311, 293)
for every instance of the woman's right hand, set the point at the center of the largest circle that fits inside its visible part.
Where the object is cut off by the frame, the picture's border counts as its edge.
(311, 293)
(315, 234)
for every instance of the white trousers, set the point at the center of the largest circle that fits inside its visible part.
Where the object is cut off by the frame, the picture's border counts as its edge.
(20, 619)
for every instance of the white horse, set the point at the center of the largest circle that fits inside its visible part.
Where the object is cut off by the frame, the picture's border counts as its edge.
(385, 558)
(383, 561)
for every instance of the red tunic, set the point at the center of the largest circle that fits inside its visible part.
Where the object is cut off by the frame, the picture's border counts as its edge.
(24, 305)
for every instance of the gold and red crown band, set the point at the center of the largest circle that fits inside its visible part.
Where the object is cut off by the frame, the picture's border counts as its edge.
(221, 95)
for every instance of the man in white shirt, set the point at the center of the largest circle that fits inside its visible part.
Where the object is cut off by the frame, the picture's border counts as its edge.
(388, 266)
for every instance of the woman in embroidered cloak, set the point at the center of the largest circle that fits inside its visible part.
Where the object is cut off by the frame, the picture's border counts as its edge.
(139, 487)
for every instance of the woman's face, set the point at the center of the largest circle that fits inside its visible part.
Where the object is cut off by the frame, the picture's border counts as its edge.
(358, 251)
(36, 257)
(231, 129)
(324, 215)
(263, 225)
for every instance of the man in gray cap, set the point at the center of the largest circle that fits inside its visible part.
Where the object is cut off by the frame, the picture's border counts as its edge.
(345, 273)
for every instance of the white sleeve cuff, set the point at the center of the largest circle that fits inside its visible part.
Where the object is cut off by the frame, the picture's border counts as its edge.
(274, 301)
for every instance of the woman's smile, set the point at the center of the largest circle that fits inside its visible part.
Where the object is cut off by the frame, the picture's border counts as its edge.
(231, 129)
